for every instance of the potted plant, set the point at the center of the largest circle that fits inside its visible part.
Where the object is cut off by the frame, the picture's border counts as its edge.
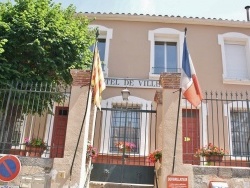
(211, 153)
(35, 147)
(91, 152)
(127, 147)
(155, 156)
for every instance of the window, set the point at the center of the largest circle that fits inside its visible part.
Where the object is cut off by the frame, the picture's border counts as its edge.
(127, 121)
(235, 58)
(105, 35)
(165, 57)
(125, 127)
(239, 129)
(239, 132)
(166, 46)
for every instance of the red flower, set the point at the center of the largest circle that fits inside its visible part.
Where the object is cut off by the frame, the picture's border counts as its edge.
(127, 146)
(209, 150)
(91, 151)
(154, 156)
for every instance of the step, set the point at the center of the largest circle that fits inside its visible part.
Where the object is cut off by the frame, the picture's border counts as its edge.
(98, 184)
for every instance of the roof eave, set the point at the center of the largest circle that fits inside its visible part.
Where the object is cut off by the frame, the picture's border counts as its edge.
(167, 19)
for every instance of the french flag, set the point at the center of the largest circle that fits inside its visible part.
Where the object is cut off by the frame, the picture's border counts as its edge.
(189, 82)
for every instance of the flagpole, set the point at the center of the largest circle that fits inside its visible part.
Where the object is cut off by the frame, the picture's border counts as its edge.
(177, 121)
(85, 113)
(176, 130)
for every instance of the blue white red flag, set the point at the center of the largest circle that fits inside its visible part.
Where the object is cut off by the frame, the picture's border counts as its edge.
(189, 81)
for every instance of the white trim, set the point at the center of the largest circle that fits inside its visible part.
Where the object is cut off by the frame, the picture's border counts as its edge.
(169, 35)
(104, 33)
(105, 133)
(234, 38)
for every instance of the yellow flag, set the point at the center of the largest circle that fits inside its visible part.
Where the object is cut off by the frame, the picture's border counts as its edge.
(97, 80)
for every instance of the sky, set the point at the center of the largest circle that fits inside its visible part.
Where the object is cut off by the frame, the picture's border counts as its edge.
(224, 9)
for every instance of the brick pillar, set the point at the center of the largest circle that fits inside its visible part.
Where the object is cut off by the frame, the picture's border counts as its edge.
(77, 107)
(170, 83)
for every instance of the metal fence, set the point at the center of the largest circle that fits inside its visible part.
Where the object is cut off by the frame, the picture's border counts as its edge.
(124, 135)
(220, 125)
(30, 113)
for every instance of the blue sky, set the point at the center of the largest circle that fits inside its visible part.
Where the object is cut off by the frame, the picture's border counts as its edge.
(228, 9)
(225, 9)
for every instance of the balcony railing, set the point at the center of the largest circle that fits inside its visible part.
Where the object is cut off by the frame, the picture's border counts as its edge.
(159, 70)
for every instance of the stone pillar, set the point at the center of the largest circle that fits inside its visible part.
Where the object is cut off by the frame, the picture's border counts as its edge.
(77, 107)
(170, 83)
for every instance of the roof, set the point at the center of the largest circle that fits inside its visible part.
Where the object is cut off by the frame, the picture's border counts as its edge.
(166, 19)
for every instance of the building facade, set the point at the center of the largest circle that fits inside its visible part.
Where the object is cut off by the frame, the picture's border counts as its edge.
(142, 55)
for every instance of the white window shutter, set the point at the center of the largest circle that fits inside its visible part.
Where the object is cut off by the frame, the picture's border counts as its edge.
(236, 61)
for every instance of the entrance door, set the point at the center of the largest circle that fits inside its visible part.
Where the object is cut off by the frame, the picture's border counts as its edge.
(59, 132)
(191, 135)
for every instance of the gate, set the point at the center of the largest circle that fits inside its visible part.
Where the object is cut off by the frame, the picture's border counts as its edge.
(124, 135)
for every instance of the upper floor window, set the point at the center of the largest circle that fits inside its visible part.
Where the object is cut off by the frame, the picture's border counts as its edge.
(105, 35)
(235, 58)
(166, 45)
(165, 57)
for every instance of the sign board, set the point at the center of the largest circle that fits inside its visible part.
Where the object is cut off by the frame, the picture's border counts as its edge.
(10, 167)
(177, 181)
(130, 82)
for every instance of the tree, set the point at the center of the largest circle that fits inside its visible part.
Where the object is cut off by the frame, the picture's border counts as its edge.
(41, 42)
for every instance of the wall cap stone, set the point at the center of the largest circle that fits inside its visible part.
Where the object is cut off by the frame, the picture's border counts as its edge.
(170, 80)
(80, 77)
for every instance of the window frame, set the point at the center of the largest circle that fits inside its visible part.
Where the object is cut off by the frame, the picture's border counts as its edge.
(131, 115)
(242, 106)
(105, 132)
(164, 35)
(107, 34)
(234, 38)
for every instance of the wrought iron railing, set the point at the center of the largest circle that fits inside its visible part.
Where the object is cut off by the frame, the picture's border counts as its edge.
(221, 122)
(28, 117)
(159, 70)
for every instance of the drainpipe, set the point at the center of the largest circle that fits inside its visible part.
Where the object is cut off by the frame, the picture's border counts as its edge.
(247, 9)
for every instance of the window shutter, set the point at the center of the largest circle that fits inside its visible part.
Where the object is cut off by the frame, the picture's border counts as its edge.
(236, 61)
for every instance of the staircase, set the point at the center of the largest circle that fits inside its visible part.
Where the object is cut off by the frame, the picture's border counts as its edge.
(98, 184)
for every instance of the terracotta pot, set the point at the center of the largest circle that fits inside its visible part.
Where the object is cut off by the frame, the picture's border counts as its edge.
(214, 158)
(19, 152)
(34, 151)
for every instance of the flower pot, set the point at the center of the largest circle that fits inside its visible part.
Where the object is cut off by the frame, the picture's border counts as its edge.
(19, 152)
(125, 150)
(34, 151)
(214, 158)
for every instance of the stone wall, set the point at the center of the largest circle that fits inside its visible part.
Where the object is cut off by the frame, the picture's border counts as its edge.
(233, 176)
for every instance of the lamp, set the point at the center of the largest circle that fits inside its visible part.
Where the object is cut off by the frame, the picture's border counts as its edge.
(125, 94)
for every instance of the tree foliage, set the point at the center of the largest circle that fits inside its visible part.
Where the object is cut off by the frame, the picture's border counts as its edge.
(40, 42)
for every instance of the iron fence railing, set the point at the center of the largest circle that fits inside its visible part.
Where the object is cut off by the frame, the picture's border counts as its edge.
(221, 124)
(29, 114)
(126, 134)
